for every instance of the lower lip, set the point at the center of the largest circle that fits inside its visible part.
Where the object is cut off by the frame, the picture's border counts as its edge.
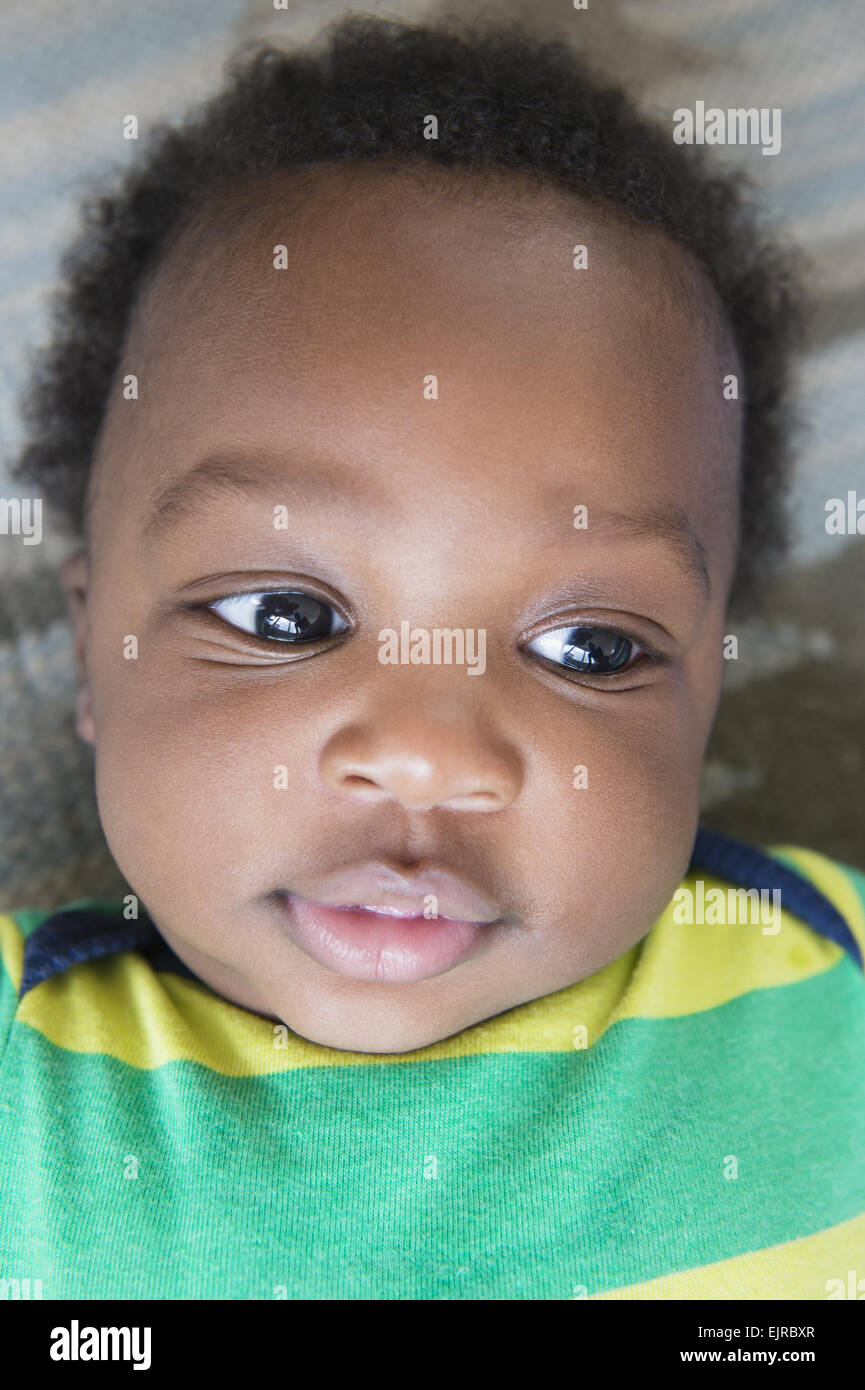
(367, 945)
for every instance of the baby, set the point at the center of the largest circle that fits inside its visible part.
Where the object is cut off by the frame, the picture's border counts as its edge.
(422, 410)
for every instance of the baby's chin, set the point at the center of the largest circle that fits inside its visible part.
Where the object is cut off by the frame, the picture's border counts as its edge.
(354, 1016)
(256, 962)
(364, 1027)
(375, 1040)
(374, 1023)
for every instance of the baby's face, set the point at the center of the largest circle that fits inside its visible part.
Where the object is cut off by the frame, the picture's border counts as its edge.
(393, 432)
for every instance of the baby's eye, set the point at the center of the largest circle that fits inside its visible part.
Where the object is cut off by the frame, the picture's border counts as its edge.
(288, 617)
(595, 651)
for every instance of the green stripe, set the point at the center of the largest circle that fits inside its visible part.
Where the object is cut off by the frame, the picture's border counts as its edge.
(598, 1168)
(28, 919)
(8, 1007)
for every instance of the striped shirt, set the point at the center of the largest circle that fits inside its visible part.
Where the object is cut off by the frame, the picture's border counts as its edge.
(688, 1122)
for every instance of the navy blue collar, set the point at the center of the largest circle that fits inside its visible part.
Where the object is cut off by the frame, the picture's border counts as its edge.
(73, 935)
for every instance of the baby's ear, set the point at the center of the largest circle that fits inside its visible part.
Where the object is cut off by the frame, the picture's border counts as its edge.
(73, 576)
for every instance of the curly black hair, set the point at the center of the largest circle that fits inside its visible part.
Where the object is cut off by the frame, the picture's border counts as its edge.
(504, 99)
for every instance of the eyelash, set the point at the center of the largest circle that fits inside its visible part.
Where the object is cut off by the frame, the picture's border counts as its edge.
(644, 652)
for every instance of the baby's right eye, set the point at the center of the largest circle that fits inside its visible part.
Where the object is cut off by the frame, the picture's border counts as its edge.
(289, 616)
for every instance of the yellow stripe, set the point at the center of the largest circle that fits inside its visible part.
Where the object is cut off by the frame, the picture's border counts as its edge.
(11, 949)
(686, 968)
(802, 1268)
(120, 1006)
(831, 879)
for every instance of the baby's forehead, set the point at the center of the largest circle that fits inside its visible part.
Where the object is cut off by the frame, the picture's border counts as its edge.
(423, 328)
(507, 237)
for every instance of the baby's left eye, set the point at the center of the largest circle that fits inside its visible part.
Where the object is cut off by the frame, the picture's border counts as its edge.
(592, 650)
(288, 616)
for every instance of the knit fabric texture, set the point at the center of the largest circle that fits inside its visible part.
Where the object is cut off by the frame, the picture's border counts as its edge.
(687, 1123)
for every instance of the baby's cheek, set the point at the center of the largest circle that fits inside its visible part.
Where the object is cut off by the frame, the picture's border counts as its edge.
(187, 799)
(637, 762)
(615, 838)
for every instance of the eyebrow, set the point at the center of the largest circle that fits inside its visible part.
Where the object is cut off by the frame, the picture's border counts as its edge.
(672, 526)
(320, 480)
(218, 477)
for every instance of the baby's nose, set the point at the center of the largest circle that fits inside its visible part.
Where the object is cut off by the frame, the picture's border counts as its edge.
(422, 763)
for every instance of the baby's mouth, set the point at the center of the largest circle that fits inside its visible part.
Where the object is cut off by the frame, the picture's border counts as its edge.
(378, 925)
(386, 947)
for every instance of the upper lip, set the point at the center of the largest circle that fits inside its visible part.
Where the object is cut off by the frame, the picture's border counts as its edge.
(374, 885)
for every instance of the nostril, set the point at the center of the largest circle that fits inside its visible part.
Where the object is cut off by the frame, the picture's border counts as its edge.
(353, 782)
